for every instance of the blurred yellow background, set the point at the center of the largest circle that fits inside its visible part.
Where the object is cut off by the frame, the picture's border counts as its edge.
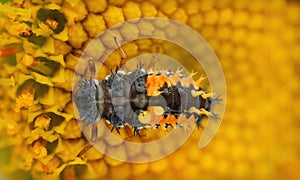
(258, 45)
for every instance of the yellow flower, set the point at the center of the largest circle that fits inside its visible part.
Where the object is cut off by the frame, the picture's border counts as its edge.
(132, 10)
(94, 24)
(113, 15)
(96, 6)
(7, 81)
(77, 35)
(18, 28)
(25, 99)
(28, 60)
(38, 149)
(43, 122)
(52, 23)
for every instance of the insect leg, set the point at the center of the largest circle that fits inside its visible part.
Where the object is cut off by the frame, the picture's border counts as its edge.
(121, 51)
(136, 131)
(116, 121)
(91, 69)
(153, 61)
(128, 131)
(199, 120)
(94, 132)
(84, 150)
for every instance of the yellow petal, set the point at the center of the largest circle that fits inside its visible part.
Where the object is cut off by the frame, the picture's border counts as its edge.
(72, 130)
(62, 35)
(42, 79)
(25, 100)
(7, 81)
(48, 47)
(39, 149)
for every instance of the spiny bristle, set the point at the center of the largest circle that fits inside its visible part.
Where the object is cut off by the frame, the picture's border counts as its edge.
(199, 111)
(186, 82)
(207, 95)
(174, 79)
(197, 93)
(198, 83)
(192, 74)
(214, 116)
(178, 70)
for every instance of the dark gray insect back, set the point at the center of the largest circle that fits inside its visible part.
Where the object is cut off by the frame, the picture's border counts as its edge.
(89, 100)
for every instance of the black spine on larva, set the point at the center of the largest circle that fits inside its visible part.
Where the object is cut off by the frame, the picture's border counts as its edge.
(205, 103)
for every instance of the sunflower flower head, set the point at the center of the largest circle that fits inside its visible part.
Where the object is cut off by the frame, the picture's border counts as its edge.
(41, 45)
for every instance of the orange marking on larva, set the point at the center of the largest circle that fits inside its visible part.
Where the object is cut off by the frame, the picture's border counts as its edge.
(155, 82)
(170, 119)
(183, 120)
(190, 121)
(152, 85)
(164, 79)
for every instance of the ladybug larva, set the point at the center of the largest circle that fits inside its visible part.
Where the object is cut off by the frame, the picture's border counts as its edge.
(122, 98)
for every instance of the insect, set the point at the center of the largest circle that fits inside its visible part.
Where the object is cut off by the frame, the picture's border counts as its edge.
(122, 98)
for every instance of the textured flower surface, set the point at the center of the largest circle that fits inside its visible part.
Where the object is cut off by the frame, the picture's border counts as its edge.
(257, 43)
